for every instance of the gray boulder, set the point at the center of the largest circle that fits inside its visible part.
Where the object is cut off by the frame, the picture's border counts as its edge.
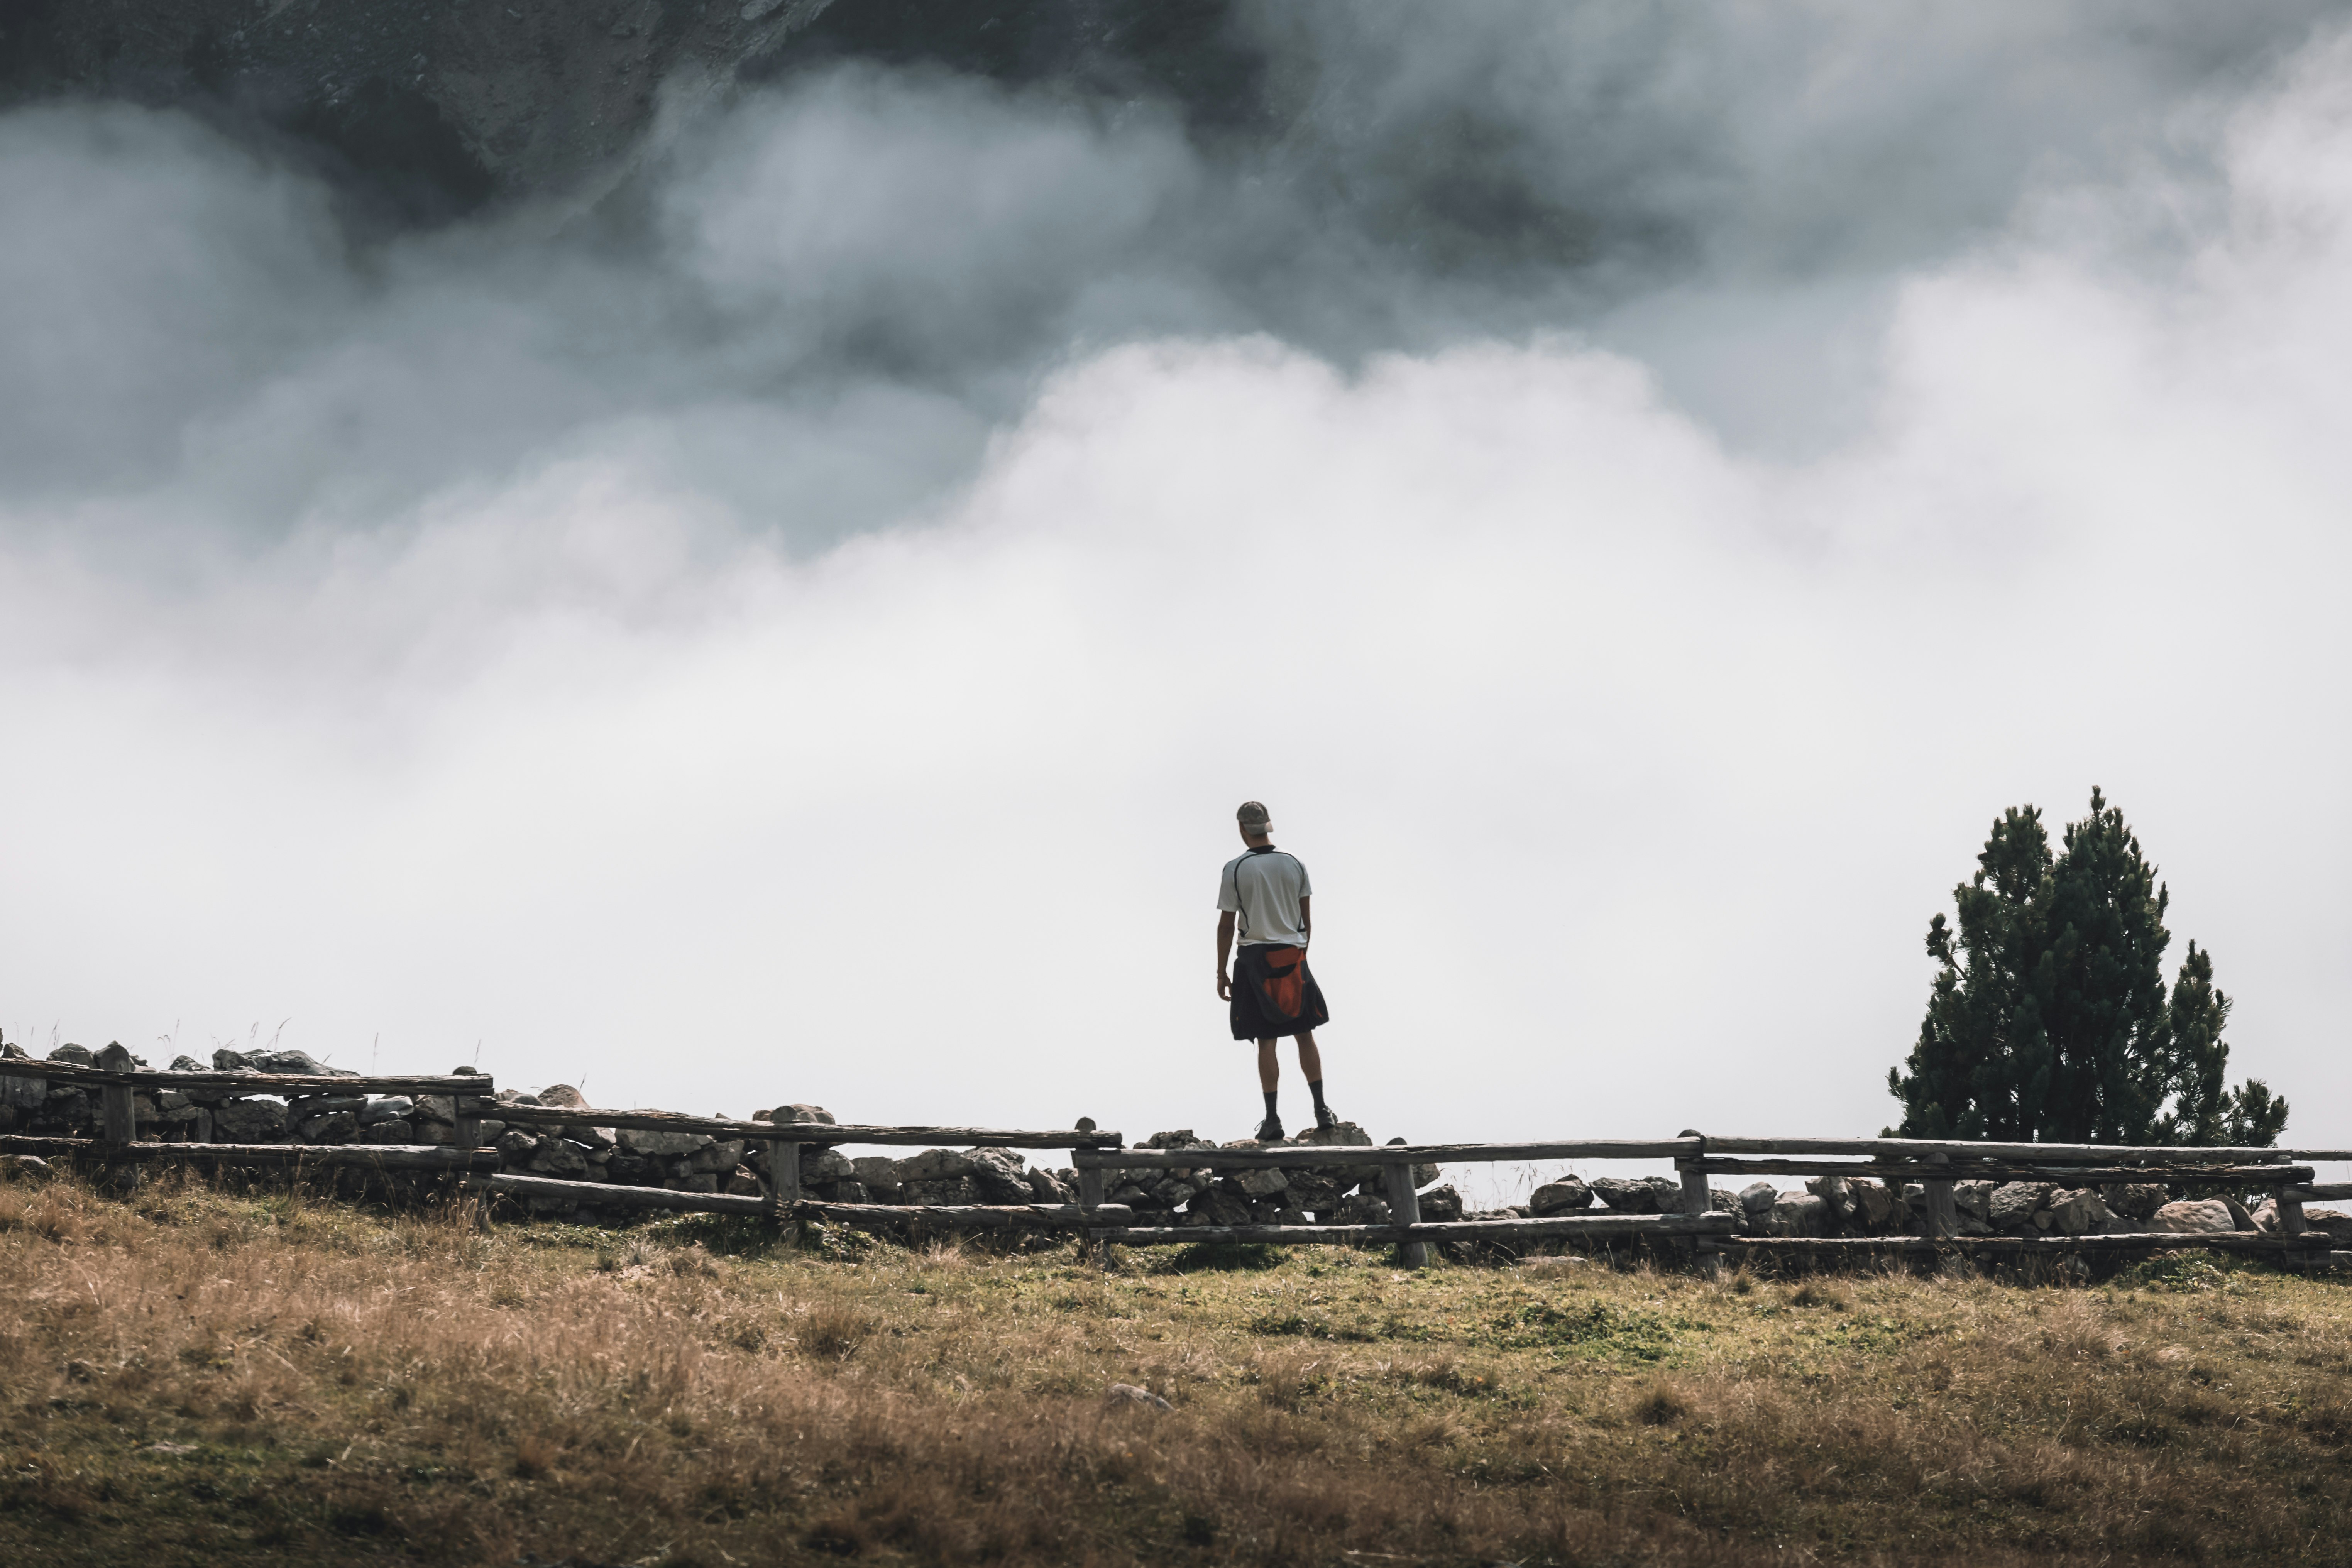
(1221, 1205)
(2078, 1213)
(1973, 1197)
(798, 1115)
(713, 1158)
(820, 1164)
(2135, 1200)
(1171, 1191)
(1874, 1206)
(1564, 1197)
(335, 1127)
(391, 1108)
(516, 1146)
(1262, 1183)
(1757, 1197)
(564, 1096)
(1308, 1189)
(935, 1165)
(1346, 1136)
(285, 1061)
(2014, 1204)
(662, 1145)
(1832, 1191)
(387, 1132)
(1626, 1196)
(76, 1056)
(2193, 1216)
(250, 1122)
(1045, 1187)
(1439, 1205)
(1000, 1175)
(954, 1189)
(560, 1158)
(1800, 1213)
(879, 1173)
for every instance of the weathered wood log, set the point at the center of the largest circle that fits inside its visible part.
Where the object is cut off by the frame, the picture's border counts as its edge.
(2033, 1153)
(1698, 1199)
(247, 1082)
(372, 1156)
(821, 1132)
(784, 1173)
(2010, 1170)
(1404, 1209)
(973, 1216)
(1305, 1155)
(1943, 1216)
(1554, 1227)
(612, 1196)
(2119, 1241)
(117, 1116)
(2326, 1192)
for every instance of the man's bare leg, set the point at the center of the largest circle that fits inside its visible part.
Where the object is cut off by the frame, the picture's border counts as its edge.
(1310, 1067)
(1269, 1073)
(1310, 1060)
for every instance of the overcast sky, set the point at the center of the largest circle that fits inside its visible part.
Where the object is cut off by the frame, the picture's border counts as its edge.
(1636, 492)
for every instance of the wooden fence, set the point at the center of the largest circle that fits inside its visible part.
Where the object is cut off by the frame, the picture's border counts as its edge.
(1696, 1226)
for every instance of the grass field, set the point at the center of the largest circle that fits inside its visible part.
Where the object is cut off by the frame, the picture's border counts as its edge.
(191, 1376)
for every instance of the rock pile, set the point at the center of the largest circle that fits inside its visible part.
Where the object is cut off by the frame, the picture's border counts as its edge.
(1861, 1206)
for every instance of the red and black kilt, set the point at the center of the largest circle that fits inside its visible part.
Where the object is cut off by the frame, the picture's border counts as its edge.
(1265, 977)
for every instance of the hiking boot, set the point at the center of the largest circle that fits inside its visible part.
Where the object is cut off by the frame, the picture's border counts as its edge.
(1325, 1119)
(1269, 1131)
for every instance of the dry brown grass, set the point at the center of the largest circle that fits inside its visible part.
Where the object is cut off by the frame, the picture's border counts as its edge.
(201, 1377)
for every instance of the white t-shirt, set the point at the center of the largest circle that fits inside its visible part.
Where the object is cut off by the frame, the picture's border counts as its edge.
(1263, 888)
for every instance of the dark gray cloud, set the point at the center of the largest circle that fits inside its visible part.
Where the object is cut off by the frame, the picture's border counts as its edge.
(195, 345)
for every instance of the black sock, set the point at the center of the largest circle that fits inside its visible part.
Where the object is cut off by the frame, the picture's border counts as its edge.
(1314, 1087)
(1270, 1115)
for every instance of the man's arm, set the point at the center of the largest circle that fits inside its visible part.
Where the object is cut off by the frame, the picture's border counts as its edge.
(1306, 919)
(1225, 951)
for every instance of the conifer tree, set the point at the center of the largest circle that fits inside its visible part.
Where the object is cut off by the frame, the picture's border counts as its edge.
(2049, 1019)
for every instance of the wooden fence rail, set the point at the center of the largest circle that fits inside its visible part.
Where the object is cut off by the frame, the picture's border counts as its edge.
(1690, 1223)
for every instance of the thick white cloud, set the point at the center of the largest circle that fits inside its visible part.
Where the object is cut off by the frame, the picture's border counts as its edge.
(1628, 765)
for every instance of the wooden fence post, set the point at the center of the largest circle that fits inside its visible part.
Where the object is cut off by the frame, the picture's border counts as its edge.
(2291, 1222)
(1943, 1211)
(784, 1174)
(1090, 1177)
(118, 1121)
(1696, 1199)
(1404, 1208)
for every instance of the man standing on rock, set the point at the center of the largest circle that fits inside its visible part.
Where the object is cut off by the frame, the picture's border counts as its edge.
(1273, 993)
